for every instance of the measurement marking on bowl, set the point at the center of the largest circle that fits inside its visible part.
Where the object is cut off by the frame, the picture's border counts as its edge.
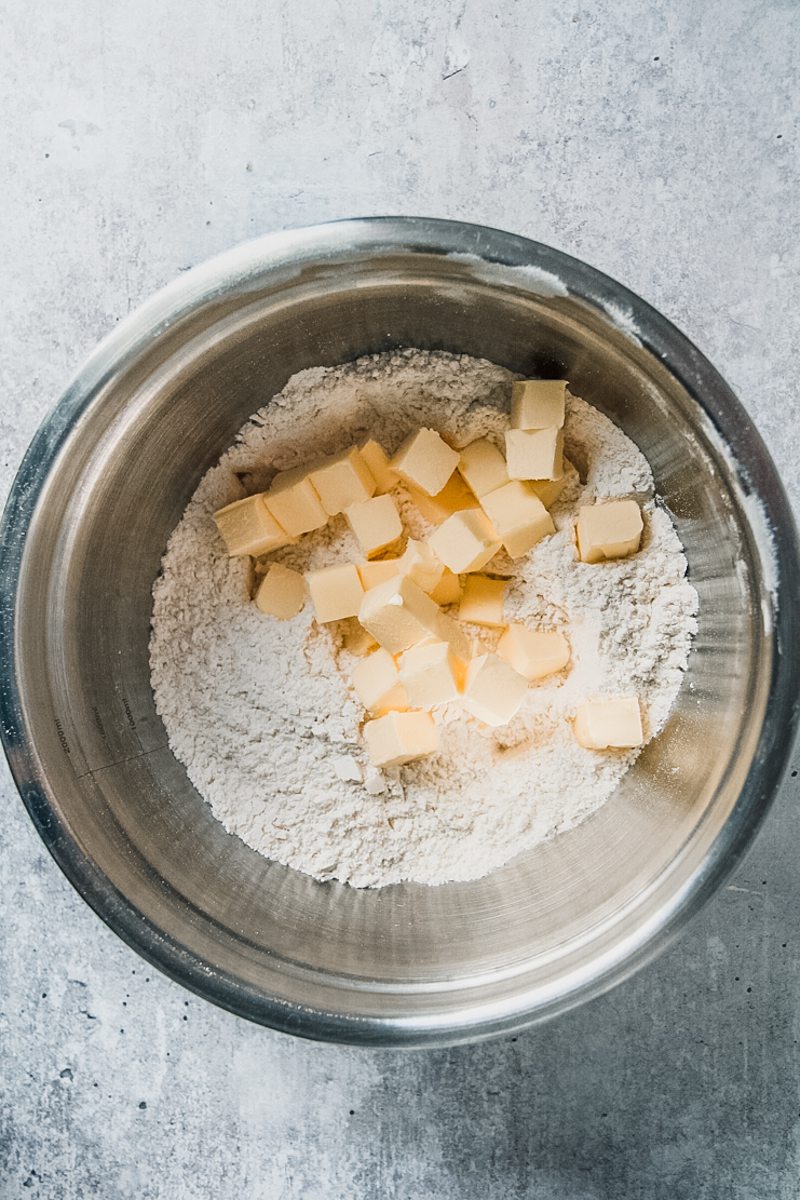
(62, 737)
(98, 720)
(128, 713)
(120, 762)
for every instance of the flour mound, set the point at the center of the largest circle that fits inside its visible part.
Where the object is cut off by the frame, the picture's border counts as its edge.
(260, 711)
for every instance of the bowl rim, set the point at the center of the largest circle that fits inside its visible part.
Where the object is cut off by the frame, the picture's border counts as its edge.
(500, 252)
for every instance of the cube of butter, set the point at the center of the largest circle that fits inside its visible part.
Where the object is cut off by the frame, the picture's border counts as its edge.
(448, 589)
(282, 592)
(373, 573)
(535, 453)
(336, 592)
(400, 737)
(431, 674)
(534, 653)
(493, 691)
(376, 524)
(421, 564)
(399, 614)
(378, 685)
(248, 527)
(342, 480)
(609, 724)
(466, 541)
(425, 461)
(538, 403)
(483, 467)
(612, 529)
(482, 601)
(519, 517)
(294, 503)
(454, 497)
(377, 461)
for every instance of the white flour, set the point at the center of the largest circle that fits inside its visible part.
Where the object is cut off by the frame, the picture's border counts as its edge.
(260, 711)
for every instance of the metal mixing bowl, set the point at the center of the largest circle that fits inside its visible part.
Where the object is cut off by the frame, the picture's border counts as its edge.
(106, 480)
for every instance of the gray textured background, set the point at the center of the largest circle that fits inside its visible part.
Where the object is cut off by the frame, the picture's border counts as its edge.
(662, 147)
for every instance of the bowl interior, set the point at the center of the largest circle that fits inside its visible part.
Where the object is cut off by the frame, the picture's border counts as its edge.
(270, 942)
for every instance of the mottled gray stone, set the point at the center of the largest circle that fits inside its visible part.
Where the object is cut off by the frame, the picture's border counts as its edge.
(658, 142)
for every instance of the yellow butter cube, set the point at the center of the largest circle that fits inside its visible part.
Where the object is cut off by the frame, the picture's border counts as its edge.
(376, 524)
(535, 453)
(373, 573)
(378, 685)
(483, 467)
(614, 724)
(294, 503)
(612, 529)
(420, 563)
(447, 590)
(534, 653)
(519, 517)
(248, 527)
(400, 737)
(399, 614)
(454, 497)
(281, 593)
(377, 461)
(425, 461)
(538, 403)
(342, 480)
(431, 674)
(466, 541)
(336, 592)
(482, 601)
(493, 691)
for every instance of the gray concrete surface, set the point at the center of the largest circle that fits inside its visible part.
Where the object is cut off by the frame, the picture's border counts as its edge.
(660, 143)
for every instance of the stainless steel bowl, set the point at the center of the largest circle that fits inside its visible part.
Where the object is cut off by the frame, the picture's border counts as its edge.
(105, 482)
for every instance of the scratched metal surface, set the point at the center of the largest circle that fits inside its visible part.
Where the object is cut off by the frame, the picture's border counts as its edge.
(659, 146)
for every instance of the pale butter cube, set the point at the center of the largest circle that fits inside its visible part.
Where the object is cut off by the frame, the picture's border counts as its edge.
(356, 640)
(342, 480)
(294, 503)
(534, 653)
(420, 563)
(378, 685)
(493, 691)
(425, 461)
(431, 674)
(375, 523)
(377, 461)
(519, 516)
(455, 496)
(538, 403)
(609, 724)
(281, 593)
(447, 590)
(248, 527)
(483, 467)
(336, 592)
(535, 453)
(400, 737)
(399, 614)
(373, 573)
(482, 601)
(612, 529)
(466, 541)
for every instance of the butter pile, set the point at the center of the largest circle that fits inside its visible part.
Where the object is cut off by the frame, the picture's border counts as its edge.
(417, 657)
